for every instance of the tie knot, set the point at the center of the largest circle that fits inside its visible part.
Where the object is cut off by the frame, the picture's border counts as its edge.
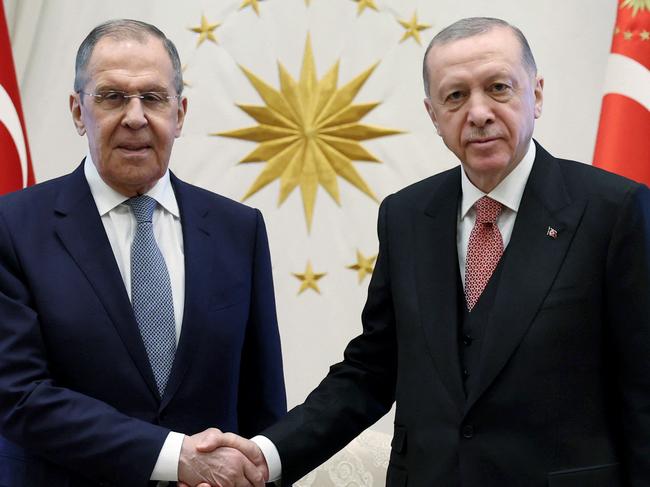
(142, 207)
(487, 210)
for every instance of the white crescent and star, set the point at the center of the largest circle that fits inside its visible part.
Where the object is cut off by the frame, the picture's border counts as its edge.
(9, 117)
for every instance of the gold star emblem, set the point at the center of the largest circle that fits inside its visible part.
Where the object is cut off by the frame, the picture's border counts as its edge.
(364, 4)
(413, 29)
(627, 35)
(205, 31)
(636, 5)
(363, 266)
(645, 35)
(255, 4)
(617, 30)
(309, 279)
(309, 133)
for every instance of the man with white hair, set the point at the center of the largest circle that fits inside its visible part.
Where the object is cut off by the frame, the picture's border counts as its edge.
(136, 310)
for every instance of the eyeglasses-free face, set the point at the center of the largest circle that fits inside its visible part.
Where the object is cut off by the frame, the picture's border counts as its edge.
(130, 112)
(484, 102)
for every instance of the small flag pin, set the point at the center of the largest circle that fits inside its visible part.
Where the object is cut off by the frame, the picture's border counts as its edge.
(551, 232)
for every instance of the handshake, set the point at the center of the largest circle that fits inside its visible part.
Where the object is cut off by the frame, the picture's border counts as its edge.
(215, 459)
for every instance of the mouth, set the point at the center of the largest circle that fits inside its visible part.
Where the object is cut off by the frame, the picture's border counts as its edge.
(134, 148)
(482, 141)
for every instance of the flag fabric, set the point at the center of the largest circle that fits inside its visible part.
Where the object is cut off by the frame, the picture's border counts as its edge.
(622, 143)
(15, 164)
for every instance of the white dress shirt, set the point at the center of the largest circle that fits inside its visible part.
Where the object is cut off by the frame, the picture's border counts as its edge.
(508, 192)
(120, 225)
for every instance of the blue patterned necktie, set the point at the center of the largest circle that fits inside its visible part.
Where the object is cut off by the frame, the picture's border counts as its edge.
(151, 293)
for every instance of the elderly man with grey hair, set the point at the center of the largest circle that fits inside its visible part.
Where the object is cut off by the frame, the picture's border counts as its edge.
(136, 310)
(508, 315)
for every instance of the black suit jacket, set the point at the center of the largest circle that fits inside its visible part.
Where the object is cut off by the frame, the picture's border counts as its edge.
(78, 400)
(563, 393)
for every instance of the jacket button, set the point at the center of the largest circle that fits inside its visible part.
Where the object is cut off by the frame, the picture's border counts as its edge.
(465, 374)
(467, 340)
(468, 431)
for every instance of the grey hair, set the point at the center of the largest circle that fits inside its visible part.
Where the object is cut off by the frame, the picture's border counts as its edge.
(122, 29)
(473, 26)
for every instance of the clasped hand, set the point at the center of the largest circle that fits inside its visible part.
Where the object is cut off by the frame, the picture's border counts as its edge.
(215, 459)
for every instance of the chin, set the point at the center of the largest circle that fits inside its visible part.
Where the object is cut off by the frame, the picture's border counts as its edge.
(488, 164)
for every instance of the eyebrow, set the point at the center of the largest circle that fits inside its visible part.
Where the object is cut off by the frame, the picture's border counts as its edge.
(149, 89)
(461, 83)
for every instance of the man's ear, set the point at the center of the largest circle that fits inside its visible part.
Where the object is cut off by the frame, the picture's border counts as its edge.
(76, 112)
(180, 115)
(539, 96)
(432, 114)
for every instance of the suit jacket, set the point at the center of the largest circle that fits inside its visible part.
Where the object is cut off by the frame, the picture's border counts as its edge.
(78, 400)
(563, 393)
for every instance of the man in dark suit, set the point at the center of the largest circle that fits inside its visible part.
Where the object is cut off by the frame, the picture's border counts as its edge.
(135, 308)
(508, 315)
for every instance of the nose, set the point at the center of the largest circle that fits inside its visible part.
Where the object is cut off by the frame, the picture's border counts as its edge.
(479, 112)
(134, 116)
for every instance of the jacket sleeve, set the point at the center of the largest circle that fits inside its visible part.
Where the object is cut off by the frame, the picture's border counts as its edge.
(628, 313)
(262, 399)
(356, 391)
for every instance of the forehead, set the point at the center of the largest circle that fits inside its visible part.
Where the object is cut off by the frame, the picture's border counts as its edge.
(130, 62)
(496, 50)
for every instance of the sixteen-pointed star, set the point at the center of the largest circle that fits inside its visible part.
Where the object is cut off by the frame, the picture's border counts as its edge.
(205, 31)
(309, 133)
(413, 29)
(363, 266)
(253, 3)
(364, 4)
(308, 279)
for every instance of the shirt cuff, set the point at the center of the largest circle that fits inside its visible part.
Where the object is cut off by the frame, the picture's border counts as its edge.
(166, 467)
(271, 456)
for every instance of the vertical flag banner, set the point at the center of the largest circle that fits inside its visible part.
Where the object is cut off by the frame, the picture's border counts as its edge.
(622, 142)
(15, 164)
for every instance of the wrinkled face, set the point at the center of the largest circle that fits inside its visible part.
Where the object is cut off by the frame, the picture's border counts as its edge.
(483, 103)
(131, 145)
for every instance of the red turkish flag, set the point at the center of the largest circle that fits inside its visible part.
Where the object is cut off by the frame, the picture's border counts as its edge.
(15, 164)
(622, 145)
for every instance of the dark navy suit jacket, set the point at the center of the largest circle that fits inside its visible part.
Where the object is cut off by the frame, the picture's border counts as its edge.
(78, 401)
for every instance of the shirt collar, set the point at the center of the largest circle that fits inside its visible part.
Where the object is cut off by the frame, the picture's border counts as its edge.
(508, 192)
(107, 199)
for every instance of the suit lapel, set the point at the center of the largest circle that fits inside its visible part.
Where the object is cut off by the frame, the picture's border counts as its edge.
(436, 271)
(199, 249)
(530, 265)
(82, 233)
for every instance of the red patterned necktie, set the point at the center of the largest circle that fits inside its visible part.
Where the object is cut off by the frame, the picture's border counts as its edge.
(484, 250)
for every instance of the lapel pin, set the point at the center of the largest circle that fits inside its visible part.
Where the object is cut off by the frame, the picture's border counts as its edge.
(551, 232)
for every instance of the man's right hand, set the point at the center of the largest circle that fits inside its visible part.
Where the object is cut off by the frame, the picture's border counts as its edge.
(216, 459)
